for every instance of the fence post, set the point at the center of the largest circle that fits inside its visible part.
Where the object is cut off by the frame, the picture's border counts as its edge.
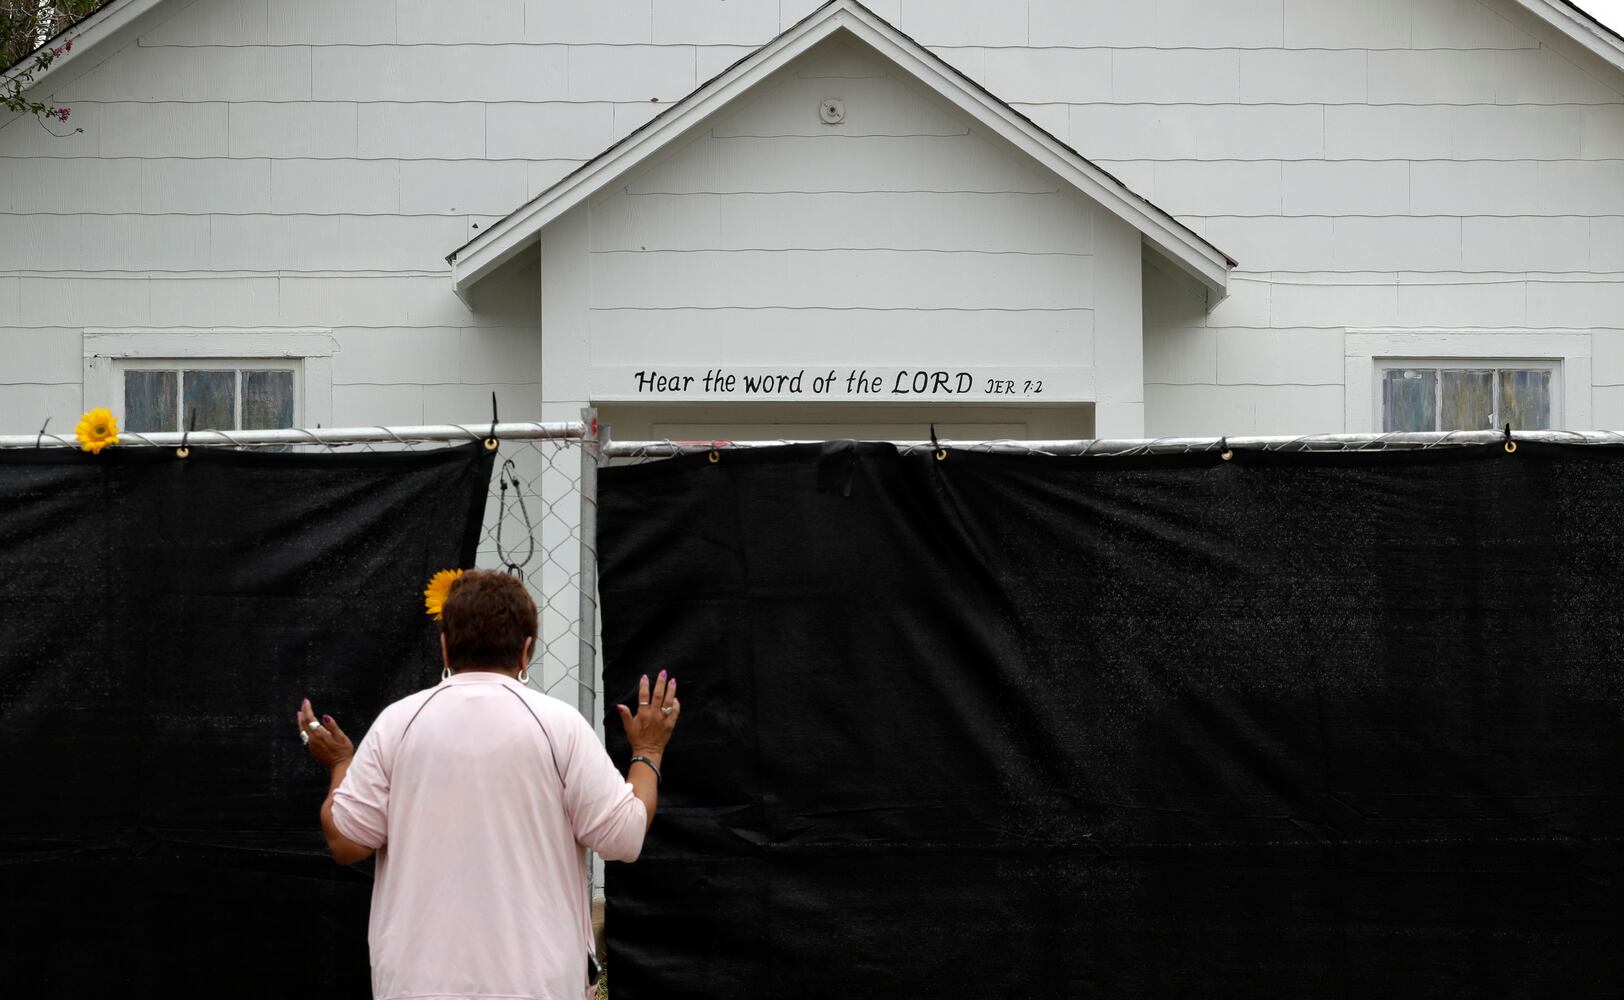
(587, 668)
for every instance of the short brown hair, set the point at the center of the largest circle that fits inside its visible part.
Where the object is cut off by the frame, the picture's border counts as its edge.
(486, 619)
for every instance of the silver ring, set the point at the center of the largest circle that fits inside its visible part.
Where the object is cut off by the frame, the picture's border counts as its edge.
(314, 725)
(642, 704)
(666, 710)
(304, 737)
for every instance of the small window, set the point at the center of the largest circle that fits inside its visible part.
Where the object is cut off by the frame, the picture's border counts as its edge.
(224, 395)
(1426, 396)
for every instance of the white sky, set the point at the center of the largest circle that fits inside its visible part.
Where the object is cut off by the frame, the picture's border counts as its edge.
(1611, 12)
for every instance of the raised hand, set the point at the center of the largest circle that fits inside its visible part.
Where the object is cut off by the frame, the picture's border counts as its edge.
(650, 728)
(327, 743)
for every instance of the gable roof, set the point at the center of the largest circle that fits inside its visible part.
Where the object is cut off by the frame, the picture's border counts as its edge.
(116, 22)
(1164, 234)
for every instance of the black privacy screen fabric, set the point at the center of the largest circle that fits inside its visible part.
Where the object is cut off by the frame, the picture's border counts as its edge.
(159, 621)
(1292, 726)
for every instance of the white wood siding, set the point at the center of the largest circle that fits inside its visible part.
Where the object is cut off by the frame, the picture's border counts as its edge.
(1420, 165)
(1374, 164)
(903, 235)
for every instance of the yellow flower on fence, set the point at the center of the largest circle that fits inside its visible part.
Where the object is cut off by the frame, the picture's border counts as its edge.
(438, 590)
(97, 429)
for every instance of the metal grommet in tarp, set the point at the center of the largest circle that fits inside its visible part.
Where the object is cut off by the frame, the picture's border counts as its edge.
(1224, 451)
(936, 446)
(715, 456)
(1511, 446)
(490, 439)
(183, 451)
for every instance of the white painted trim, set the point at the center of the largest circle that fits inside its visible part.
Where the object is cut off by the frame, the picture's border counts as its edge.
(897, 385)
(1364, 349)
(87, 35)
(506, 238)
(312, 346)
(1580, 27)
(217, 342)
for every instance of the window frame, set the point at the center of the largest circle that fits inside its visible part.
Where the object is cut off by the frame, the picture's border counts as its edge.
(235, 365)
(108, 353)
(1497, 365)
(1367, 353)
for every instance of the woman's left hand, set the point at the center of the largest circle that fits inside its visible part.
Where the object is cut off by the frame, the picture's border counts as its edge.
(328, 743)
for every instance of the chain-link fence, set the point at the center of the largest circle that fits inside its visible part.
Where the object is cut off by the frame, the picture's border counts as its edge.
(538, 521)
(646, 451)
(541, 519)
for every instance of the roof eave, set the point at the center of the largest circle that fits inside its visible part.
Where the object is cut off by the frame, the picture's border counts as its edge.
(1581, 27)
(1181, 245)
(505, 239)
(112, 21)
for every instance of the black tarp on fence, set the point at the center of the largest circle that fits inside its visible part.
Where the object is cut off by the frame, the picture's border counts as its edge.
(1292, 725)
(160, 619)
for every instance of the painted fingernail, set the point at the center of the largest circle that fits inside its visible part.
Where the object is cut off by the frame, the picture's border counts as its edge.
(327, 718)
(662, 675)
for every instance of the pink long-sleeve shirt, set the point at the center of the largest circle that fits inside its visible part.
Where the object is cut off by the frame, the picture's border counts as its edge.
(481, 797)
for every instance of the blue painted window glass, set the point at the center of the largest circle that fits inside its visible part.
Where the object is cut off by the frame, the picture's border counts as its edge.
(212, 395)
(267, 400)
(149, 401)
(1409, 399)
(1525, 398)
(1467, 399)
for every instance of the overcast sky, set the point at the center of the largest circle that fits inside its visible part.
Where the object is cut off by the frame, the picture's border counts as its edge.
(1611, 12)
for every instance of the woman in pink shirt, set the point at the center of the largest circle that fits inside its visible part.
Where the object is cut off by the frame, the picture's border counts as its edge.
(481, 798)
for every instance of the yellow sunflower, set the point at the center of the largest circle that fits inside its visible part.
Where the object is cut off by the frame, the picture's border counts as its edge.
(438, 590)
(97, 429)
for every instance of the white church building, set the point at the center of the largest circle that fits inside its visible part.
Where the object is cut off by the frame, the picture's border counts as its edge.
(769, 218)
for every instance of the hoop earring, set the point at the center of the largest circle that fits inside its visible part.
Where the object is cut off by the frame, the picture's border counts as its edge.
(524, 676)
(445, 674)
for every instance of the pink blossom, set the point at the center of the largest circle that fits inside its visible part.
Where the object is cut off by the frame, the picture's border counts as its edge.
(57, 52)
(68, 46)
(62, 114)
